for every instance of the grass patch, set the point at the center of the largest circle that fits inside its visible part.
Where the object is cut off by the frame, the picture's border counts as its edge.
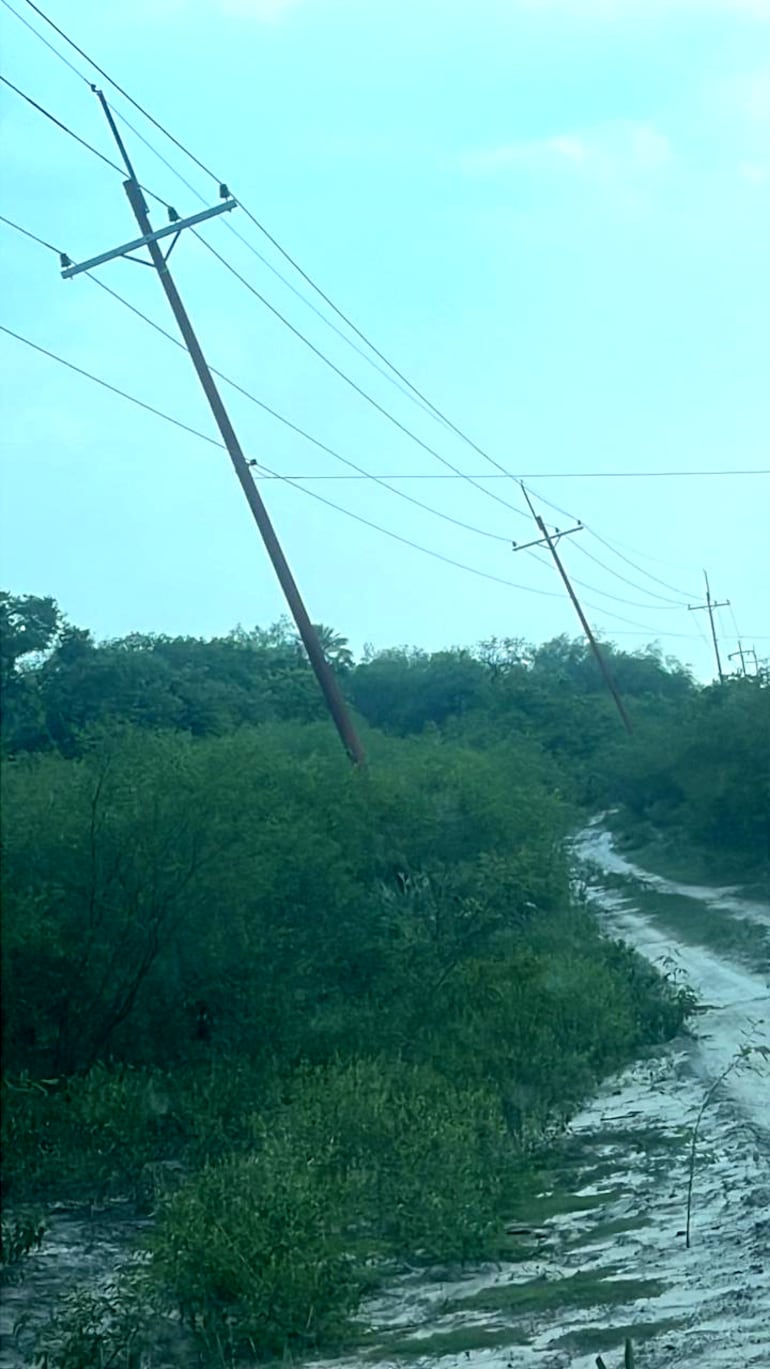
(594, 1289)
(594, 1339)
(459, 1341)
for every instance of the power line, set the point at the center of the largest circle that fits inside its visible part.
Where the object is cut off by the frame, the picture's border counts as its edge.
(26, 232)
(539, 475)
(294, 427)
(181, 146)
(207, 170)
(45, 41)
(65, 129)
(651, 593)
(316, 350)
(349, 342)
(362, 474)
(160, 199)
(634, 566)
(281, 418)
(391, 378)
(365, 475)
(348, 380)
(123, 92)
(387, 532)
(106, 385)
(435, 410)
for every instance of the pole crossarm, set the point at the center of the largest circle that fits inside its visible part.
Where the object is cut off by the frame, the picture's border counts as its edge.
(555, 537)
(147, 238)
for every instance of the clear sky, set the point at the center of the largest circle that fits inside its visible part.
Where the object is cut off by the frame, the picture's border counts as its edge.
(552, 215)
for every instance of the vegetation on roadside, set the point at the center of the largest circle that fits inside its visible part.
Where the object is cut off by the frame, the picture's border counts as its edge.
(315, 1020)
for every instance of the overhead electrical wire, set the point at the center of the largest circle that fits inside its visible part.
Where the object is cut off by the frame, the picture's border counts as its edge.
(537, 475)
(27, 234)
(45, 41)
(438, 413)
(274, 413)
(309, 437)
(160, 199)
(281, 418)
(178, 423)
(652, 594)
(218, 180)
(207, 170)
(349, 381)
(362, 474)
(231, 228)
(639, 569)
(64, 127)
(301, 432)
(107, 385)
(296, 331)
(195, 432)
(187, 152)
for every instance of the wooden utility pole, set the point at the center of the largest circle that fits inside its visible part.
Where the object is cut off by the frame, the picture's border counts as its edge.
(710, 605)
(323, 671)
(549, 540)
(741, 654)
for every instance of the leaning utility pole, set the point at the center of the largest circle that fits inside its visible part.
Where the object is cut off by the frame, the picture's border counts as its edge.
(742, 653)
(710, 605)
(550, 539)
(149, 239)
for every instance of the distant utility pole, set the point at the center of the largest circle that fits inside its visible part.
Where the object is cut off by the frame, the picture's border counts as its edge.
(742, 653)
(710, 605)
(149, 239)
(550, 540)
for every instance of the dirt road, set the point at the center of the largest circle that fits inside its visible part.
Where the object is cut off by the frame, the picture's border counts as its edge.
(612, 1261)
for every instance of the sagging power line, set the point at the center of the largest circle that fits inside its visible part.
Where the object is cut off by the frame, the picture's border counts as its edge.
(436, 412)
(424, 401)
(291, 482)
(402, 379)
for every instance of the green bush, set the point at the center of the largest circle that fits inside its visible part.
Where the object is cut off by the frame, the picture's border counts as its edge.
(272, 1251)
(419, 1164)
(248, 1252)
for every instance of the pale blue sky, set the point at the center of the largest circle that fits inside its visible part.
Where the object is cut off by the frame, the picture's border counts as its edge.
(553, 215)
